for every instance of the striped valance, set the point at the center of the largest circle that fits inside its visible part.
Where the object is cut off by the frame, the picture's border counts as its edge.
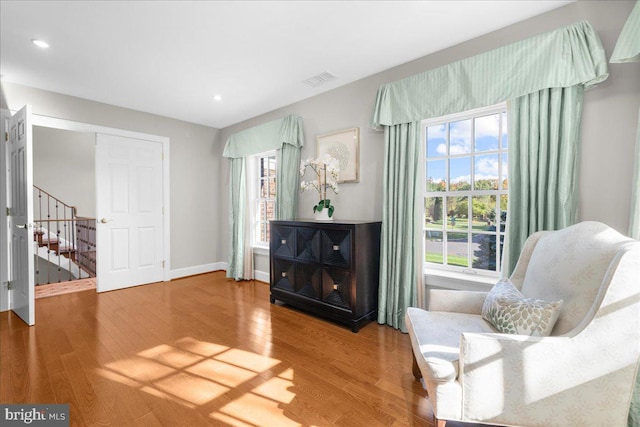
(628, 45)
(565, 57)
(265, 137)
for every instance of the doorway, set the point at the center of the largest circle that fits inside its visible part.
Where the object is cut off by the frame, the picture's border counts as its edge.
(64, 207)
(6, 302)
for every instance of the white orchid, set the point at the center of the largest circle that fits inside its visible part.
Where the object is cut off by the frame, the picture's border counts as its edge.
(326, 169)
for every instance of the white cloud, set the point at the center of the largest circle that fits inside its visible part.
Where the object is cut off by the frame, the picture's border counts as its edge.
(486, 166)
(488, 126)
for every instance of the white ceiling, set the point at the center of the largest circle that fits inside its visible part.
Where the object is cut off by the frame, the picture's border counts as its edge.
(171, 57)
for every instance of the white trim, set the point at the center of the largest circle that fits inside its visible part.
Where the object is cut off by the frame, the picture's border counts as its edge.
(261, 250)
(262, 276)
(490, 109)
(197, 269)
(56, 123)
(4, 225)
(64, 124)
(457, 281)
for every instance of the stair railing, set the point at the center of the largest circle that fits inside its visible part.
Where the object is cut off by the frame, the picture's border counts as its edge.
(86, 238)
(56, 229)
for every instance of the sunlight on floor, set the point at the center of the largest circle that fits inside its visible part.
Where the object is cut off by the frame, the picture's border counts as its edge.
(195, 373)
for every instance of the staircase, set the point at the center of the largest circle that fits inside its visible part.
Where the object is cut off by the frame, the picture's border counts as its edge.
(65, 243)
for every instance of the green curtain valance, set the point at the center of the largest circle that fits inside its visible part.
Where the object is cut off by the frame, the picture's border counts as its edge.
(565, 57)
(628, 45)
(265, 137)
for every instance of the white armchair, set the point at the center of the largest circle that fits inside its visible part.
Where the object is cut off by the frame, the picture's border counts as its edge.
(583, 374)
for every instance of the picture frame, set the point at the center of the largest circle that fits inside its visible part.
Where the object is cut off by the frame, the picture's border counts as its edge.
(343, 145)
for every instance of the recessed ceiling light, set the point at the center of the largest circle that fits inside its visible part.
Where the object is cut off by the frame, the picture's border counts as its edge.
(40, 43)
(217, 97)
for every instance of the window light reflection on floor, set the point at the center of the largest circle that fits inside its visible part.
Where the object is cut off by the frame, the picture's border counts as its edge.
(195, 373)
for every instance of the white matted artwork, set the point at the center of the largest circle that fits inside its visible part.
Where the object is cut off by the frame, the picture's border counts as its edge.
(343, 145)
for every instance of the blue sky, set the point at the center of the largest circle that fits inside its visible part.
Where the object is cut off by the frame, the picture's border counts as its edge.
(486, 139)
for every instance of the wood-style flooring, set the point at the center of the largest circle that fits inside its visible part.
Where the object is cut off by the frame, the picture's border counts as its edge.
(53, 289)
(206, 351)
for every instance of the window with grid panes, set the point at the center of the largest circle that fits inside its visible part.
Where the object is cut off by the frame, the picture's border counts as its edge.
(466, 190)
(265, 205)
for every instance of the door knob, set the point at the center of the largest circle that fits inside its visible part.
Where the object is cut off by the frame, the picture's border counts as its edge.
(105, 220)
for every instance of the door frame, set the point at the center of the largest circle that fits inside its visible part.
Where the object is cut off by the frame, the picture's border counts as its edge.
(70, 125)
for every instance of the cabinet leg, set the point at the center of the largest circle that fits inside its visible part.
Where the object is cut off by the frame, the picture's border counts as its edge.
(272, 299)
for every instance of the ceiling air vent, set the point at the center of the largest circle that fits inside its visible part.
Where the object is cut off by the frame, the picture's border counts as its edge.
(319, 79)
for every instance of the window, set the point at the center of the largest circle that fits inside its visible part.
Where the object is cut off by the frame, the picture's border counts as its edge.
(465, 190)
(265, 197)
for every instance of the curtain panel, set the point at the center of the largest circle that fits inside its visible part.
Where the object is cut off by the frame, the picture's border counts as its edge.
(569, 56)
(543, 164)
(565, 57)
(628, 50)
(628, 45)
(286, 136)
(237, 213)
(401, 250)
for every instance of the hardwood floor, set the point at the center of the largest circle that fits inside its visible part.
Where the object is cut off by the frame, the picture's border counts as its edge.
(53, 289)
(206, 351)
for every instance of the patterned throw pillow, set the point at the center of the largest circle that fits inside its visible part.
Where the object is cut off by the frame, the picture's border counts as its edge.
(511, 313)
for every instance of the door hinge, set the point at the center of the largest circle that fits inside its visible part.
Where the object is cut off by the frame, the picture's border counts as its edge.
(8, 211)
(163, 262)
(9, 285)
(6, 136)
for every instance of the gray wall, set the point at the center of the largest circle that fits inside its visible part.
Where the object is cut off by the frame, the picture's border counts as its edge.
(608, 128)
(64, 165)
(195, 163)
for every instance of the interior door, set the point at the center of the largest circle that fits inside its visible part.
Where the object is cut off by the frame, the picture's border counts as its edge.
(22, 275)
(129, 191)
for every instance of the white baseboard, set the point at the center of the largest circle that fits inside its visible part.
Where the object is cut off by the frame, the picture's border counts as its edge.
(4, 297)
(262, 276)
(197, 269)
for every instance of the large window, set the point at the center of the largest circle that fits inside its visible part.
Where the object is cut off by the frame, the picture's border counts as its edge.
(465, 190)
(265, 200)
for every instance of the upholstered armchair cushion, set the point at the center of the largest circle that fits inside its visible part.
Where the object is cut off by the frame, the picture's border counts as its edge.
(469, 302)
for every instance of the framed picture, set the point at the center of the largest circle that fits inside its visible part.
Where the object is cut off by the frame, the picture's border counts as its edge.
(343, 145)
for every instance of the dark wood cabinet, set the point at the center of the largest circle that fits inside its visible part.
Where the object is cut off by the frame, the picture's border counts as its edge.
(329, 269)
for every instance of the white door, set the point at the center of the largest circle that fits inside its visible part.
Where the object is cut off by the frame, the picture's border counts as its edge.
(21, 296)
(129, 236)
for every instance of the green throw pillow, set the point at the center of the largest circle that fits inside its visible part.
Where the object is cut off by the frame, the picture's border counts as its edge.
(511, 313)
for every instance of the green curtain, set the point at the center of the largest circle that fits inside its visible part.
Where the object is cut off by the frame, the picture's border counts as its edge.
(288, 175)
(544, 137)
(562, 58)
(285, 135)
(628, 45)
(237, 213)
(634, 218)
(400, 264)
(628, 50)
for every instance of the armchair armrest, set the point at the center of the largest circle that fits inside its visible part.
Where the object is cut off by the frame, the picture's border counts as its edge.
(469, 302)
(524, 380)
